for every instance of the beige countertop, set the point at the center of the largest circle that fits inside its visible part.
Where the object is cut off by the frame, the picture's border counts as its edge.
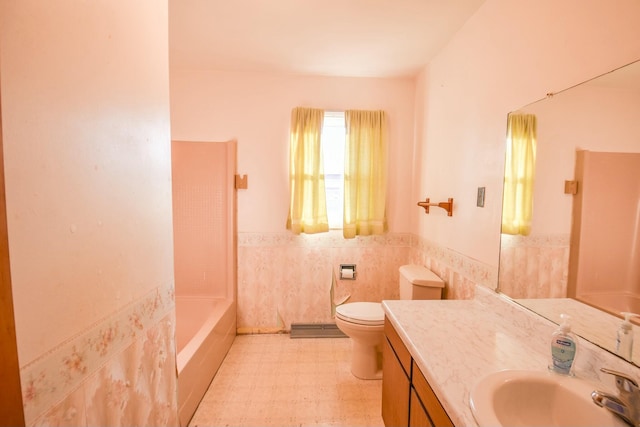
(457, 342)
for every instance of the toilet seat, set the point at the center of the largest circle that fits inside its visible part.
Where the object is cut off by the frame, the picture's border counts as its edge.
(361, 313)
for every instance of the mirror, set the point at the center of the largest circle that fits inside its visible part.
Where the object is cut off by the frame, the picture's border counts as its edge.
(591, 124)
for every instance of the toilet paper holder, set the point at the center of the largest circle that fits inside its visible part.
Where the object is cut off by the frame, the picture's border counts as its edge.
(347, 272)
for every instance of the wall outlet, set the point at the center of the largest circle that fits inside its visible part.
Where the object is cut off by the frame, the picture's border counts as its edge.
(480, 198)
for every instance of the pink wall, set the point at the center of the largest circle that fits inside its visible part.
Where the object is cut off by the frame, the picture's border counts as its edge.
(87, 161)
(507, 55)
(255, 109)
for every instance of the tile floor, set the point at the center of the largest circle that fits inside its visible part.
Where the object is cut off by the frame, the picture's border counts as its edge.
(273, 380)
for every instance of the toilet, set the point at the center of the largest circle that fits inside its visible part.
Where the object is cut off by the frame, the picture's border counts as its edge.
(363, 322)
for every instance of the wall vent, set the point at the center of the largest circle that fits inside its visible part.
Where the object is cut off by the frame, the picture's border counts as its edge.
(316, 330)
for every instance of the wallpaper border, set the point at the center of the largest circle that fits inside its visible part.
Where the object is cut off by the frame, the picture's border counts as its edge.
(58, 372)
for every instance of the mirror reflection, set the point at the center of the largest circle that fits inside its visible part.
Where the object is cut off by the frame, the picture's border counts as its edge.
(583, 243)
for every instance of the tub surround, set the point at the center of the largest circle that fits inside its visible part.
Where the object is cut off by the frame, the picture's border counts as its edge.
(456, 343)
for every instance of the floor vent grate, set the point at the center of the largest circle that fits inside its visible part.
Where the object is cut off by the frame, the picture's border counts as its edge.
(316, 330)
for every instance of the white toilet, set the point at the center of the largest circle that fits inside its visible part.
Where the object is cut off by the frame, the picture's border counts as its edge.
(363, 322)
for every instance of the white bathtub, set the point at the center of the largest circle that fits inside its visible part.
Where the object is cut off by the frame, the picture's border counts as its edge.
(613, 302)
(205, 330)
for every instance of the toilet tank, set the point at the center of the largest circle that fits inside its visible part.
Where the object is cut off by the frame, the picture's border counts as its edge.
(418, 282)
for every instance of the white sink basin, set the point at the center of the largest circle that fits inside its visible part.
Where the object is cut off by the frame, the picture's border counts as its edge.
(537, 398)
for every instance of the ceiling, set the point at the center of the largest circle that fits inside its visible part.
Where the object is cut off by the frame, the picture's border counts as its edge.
(361, 38)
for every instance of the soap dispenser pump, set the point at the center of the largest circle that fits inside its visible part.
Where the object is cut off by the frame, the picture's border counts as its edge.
(564, 346)
(624, 336)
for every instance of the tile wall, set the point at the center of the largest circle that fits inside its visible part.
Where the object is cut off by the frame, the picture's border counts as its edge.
(285, 279)
(534, 266)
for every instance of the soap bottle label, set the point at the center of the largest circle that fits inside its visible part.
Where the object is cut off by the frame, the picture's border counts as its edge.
(563, 352)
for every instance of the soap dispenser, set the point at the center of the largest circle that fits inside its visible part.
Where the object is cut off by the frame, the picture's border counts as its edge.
(564, 346)
(624, 337)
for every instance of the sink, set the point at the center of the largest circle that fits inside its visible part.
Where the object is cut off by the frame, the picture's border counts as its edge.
(537, 398)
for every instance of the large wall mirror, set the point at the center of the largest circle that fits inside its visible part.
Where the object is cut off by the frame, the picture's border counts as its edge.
(582, 255)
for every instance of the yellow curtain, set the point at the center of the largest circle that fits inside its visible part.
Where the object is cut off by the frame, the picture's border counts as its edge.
(365, 175)
(308, 204)
(517, 204)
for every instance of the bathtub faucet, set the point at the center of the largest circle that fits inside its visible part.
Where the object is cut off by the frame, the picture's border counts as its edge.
(627, 404)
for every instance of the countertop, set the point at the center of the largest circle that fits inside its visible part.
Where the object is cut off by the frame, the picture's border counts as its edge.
(457, 342)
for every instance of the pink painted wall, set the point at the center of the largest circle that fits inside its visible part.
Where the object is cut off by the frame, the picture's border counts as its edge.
(255, 109)
(507, 55)
(87, 158)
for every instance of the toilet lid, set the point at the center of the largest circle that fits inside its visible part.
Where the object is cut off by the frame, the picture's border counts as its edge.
(362, 313)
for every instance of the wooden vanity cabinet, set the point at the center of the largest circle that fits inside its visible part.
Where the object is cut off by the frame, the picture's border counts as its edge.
(418, 415)
(428, 400)
(407, 398)
(396, 379)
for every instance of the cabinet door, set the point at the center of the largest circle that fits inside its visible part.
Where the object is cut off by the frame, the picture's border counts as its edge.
(398, 346)
(430, 402)
(395, 389)
(418, 416)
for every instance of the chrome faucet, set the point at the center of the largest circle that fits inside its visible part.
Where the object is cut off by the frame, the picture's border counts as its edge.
(627, 404)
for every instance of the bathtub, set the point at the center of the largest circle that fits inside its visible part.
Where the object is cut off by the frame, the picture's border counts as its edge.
(613, 302)
(205, 330)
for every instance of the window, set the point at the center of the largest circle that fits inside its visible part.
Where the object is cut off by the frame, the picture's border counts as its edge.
(519, 174)
(338, 172)
(333, 137)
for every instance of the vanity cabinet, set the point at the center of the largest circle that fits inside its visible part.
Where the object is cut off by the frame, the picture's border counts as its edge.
(407, 397)
(396, 379)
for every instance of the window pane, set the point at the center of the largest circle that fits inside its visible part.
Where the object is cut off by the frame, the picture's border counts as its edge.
(333, 138)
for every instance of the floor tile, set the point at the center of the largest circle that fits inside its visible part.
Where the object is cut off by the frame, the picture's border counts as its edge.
(273, 380)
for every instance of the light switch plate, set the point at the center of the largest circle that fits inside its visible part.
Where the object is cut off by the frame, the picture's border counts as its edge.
(480, 199)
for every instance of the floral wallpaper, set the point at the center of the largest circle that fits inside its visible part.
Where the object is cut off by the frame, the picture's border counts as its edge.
(460, 273)
(534, 266)
(119, 372)
(285, 279)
